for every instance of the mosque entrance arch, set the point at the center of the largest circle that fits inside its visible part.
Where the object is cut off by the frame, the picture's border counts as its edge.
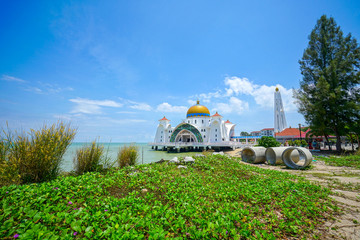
(188, 131)
(185, 136)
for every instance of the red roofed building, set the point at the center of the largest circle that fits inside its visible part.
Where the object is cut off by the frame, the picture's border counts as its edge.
(290, 134)
(216, 115)
(164, 119)
(255, 133)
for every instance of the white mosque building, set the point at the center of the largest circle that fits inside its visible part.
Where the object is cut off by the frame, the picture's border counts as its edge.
(199, 130)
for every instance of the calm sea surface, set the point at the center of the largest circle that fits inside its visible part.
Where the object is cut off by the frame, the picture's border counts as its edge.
(147, 155)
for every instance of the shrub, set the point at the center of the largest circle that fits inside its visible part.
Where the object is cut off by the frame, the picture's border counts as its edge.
(268, 142)
(291, 143)
(297, 143)
(127, 156)
(90, 159)
(37, 155)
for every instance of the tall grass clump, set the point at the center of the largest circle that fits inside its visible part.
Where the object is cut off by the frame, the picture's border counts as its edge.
(91, 159)
(36, 156)
(127, 156)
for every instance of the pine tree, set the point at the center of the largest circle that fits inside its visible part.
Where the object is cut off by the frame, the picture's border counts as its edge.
(329, 94)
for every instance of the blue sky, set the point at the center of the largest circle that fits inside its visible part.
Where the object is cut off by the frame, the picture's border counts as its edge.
(114, 68)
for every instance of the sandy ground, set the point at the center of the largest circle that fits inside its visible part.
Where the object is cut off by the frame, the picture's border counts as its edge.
(345, 185)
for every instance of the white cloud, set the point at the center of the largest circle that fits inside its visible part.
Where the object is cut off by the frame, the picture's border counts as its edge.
(166, 107)
(141, 106)
(92, 106)
(34, 89)
(191, 102)
(12, 79)
(263, 94)
(235, 105)
(239, 86)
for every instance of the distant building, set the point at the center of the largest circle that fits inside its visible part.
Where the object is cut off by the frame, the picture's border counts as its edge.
(255, 133)
(269, 132)
(288, 134)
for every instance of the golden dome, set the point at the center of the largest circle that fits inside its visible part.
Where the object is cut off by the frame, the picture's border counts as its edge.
(277, 89)
(198, 111)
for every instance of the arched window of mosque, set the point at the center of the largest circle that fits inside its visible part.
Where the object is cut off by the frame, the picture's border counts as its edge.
(215, 130)
(204, 136)
(189, 121)
(215, 139)
(195, 121)
(202, 121)
(215, 135)
(161, 131)
(204, 130)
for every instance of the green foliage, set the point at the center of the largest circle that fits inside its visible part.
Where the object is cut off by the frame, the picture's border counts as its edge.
(245, 134)
(35, 156)
(268, 142)
(291, 143)
(90, 159)
(214, 198)
(329, 96)
(127, 156)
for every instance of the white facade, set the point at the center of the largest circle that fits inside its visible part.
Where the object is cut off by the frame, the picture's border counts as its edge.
(198, 127)
(279, 114)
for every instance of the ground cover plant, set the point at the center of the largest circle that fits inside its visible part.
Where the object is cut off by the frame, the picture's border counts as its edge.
(341, 161)
(214, 198)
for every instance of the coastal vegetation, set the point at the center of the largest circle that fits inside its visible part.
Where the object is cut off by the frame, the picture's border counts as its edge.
(35, 156)
(127, 156)
(215, 197)
(329, 94)
(91, 158)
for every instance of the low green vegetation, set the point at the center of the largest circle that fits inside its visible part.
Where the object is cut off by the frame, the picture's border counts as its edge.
(127, 156)
(91, 158)
(214, 198)
(34, 156)
(342, 161)
(268, 142)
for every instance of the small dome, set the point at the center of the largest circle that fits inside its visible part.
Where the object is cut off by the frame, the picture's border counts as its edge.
(198, 111)
(276, 89)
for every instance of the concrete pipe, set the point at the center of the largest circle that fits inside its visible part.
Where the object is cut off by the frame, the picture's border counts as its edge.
(253, 154)
(305, 157)
(274, 155)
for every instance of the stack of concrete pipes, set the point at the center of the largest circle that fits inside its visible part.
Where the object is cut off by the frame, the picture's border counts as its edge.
(289, 156)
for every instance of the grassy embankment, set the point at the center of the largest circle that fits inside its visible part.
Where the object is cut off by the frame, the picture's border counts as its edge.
(342, 161)
(214, 198)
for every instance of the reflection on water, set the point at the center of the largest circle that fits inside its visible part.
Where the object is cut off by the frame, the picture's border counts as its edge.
(147, 155)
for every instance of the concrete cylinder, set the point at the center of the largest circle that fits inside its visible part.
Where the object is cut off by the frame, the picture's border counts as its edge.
(253, 154)
(273, 155)
(304, 154)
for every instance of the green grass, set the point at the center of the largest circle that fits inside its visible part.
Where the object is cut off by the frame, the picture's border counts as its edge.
(215, 198)
(342, 161)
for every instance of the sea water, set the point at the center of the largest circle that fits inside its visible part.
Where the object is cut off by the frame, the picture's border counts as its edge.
(146, 154)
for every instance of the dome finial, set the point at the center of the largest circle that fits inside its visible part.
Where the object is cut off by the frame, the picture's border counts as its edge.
(197, 102)
(277, 89)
